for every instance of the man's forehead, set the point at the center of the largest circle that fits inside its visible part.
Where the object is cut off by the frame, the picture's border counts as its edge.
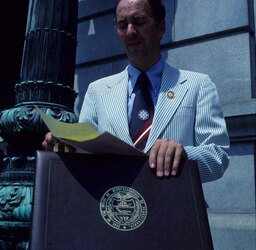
(138, 8)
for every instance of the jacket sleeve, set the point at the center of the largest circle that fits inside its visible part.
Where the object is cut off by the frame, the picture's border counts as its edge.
(88, 111)
(211, 137)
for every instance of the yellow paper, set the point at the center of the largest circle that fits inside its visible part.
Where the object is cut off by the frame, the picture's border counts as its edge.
(72, 131)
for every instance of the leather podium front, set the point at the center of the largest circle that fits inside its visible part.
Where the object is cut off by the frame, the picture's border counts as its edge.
(115, 202)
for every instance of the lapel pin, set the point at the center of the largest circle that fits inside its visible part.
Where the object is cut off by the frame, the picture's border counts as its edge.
(170, 95)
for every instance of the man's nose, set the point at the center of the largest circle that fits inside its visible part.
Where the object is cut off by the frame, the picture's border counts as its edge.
(130, 29)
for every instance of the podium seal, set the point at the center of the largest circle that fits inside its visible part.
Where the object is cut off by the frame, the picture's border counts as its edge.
(123, 208)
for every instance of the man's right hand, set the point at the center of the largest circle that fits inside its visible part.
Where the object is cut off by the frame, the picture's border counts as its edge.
(49, 142)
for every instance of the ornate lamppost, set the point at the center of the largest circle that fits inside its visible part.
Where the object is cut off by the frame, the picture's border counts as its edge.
(46, 82)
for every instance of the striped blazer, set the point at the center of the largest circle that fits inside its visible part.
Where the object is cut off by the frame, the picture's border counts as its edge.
(190, 114)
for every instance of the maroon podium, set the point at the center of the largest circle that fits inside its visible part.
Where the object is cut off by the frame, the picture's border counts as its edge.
(115, 202)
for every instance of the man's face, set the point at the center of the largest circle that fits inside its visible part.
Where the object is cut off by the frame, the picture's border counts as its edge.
(138, 32)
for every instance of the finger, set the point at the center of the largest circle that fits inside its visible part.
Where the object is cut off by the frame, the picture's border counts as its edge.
(177, 159)
(161, 157)
(49, 141)
(153, 154)
(45, 145)
(168, 160)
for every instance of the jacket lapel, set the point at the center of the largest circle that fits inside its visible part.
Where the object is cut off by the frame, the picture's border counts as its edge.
(115, 103)
(171, 94)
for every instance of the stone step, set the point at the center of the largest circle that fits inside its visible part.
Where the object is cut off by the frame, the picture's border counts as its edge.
(233, 231)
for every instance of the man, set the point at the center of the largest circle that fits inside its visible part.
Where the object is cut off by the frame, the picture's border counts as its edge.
(188, 122)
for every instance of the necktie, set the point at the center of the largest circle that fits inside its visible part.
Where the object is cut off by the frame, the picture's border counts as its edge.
(142, 112)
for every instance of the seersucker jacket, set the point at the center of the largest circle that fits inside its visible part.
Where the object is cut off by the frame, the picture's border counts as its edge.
(187, 111)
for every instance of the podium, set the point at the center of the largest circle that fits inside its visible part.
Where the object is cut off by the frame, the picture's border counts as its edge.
(115, 202)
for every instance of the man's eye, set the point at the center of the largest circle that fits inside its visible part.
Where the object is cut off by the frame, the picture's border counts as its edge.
(136, 23)
(121, 26)
(139, 22)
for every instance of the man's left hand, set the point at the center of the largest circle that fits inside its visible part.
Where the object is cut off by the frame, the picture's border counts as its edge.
(165, 157)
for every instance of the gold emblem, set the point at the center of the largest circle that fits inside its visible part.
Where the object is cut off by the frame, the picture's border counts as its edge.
(170, 95)
(123, 208)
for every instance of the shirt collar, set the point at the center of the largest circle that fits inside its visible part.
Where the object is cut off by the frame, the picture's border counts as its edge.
(154, 74)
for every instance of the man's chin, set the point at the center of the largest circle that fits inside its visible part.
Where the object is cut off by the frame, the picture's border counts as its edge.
(134, 52)
(135, 58)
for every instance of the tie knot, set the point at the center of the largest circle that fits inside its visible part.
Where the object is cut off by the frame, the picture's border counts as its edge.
(143, 81)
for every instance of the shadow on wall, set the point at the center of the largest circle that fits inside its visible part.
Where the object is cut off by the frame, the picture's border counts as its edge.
(99, 52)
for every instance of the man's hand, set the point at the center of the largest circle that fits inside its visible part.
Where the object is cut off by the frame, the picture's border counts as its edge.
(165, 157)
(49, 142)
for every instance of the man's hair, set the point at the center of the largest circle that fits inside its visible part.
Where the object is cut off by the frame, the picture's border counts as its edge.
(157, 7)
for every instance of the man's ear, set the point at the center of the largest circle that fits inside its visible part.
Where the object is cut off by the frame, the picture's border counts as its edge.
(161, 28)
